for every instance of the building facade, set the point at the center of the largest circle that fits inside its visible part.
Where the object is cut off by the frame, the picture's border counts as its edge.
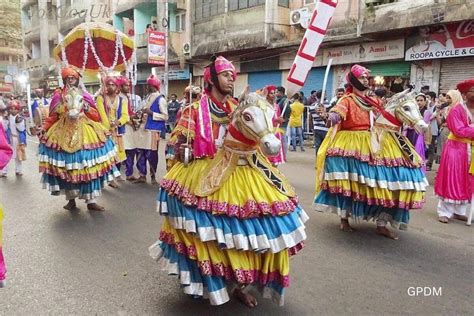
(11, 52)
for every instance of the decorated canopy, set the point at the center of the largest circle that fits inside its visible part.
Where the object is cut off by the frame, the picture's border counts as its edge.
(95, 47)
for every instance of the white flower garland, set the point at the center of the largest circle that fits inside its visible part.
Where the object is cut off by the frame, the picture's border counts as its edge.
(130, 64)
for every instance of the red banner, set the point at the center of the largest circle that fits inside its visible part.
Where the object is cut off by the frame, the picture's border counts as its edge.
(156, 48)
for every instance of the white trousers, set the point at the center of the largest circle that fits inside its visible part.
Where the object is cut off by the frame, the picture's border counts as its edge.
(18, 163)
(448, 209)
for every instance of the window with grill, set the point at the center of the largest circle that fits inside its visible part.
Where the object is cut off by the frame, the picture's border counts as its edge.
(207, 8)
(244, 4)
(180, 22)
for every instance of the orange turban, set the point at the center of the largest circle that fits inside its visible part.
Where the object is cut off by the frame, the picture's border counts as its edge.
(68, 72)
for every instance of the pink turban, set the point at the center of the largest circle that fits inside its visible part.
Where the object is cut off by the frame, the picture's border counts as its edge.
(358, 71)
(221, 64)
(122, 80)
(115, 80)
(153, 81)
(465, 86)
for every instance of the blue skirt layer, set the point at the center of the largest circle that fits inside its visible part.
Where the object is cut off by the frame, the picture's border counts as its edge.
(359, 210)
(394, 178)
(84, 190)
(274, 233)
(80, 159)
(212, 287)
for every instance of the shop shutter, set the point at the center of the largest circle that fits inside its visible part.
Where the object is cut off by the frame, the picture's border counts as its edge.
(258, 80)
(315, 82)
(390, 69)
(454, 70)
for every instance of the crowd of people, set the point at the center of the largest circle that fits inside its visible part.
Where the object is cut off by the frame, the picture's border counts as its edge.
(372, 155)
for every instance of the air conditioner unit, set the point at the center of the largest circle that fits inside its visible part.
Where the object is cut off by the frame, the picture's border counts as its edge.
(187, 48)
(300, 17)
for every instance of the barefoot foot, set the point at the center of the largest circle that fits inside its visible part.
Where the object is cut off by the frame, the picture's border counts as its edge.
(384, 231)
(345, 225)
(95, 207)
(113, 184)
(460, 217)
(246, 299)
(141, 179)
(443, 219)
(70, 206)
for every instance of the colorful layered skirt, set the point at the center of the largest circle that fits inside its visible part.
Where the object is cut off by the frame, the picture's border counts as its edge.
(77, 157)
(241, 234)
(3, 270)
(366, 183)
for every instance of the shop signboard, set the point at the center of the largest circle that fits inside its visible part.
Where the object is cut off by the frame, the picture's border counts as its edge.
(175, 72)
(442, 41)
(156, 48)
(365, 52)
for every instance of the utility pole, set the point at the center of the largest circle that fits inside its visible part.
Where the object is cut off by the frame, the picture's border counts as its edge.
(165, 77)
(162, 12)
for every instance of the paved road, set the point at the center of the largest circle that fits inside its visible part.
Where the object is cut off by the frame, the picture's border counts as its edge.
(97, 263)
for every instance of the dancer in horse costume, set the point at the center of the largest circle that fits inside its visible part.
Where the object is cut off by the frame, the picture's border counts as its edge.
(76, 154)
(231, 219)
(366, 168)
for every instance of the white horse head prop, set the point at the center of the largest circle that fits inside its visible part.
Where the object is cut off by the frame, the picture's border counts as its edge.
(404, 107)
(74, 102)
(252, 124)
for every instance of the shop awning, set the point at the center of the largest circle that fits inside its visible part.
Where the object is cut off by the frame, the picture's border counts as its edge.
(390, 69)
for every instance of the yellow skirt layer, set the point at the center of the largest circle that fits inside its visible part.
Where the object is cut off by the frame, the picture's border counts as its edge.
(381, 150)
(244, 194)
(73, 135)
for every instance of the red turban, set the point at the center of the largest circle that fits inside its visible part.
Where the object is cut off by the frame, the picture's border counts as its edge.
(14, 104)
(465, 86)
(69, 71)
(153, 81)
(270, 88)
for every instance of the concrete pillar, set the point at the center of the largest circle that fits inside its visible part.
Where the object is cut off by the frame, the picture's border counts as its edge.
(271, 7)
(43, 26)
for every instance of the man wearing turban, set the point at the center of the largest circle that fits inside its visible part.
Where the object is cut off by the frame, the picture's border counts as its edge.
(113, 111)
(151, 127)
(454, 183)
(355, 179)
(15, 128)
(39, 110)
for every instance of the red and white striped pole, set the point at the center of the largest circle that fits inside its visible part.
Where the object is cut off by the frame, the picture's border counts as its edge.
(309, 46)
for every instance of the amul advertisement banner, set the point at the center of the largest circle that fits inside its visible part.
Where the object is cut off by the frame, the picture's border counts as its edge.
(441, 41)
(156, 48)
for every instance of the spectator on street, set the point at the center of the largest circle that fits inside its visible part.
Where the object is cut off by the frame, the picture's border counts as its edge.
(430, 118)
(173, 108)
(338, 94)
(296, 122)
(319, 115)
(312, 98)
(285, 114)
